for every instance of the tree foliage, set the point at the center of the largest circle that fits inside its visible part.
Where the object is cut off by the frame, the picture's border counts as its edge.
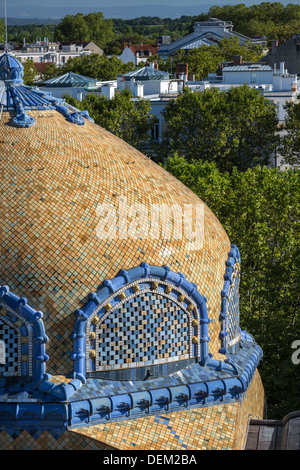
(94, 65)
(232, 128)
(2, 31)
(260, 210)
(290, 141)
(80, 27)
(122, 116)
(270, 19)
(207, 59)
(30, 72)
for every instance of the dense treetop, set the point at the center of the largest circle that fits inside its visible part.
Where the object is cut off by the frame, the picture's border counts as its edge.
(272, 19)
(260, 210)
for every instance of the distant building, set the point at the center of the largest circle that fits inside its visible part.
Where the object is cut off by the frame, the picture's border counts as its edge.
(138, 53)
(75, 85)
(147, 81)
(55, 52)
(276, 84)
(40, 70)
(208, 33)
(288, 52)
(252, 73)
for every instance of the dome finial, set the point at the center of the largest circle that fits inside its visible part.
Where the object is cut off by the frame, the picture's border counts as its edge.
(11, 69)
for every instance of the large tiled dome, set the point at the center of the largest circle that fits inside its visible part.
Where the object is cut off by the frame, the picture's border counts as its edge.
(54, 177)
(136, 318)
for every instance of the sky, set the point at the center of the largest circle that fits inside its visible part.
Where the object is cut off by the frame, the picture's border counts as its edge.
(102, 3)
(115, 8)
(97, 4)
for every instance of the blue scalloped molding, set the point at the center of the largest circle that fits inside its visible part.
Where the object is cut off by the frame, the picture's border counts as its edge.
(91, 411)
(21, 309)
(233, 259)
(109, 291)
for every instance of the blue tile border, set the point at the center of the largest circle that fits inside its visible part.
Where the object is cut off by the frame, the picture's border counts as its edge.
(233, 260)
(19, 306)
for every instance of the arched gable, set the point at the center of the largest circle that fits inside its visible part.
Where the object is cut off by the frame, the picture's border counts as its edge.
(154, 313)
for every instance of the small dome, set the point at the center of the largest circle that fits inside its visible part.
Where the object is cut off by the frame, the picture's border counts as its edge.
(11, 69)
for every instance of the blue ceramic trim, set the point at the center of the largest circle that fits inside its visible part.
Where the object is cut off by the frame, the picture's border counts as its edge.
(22, 98)
(93, 410)
(233, 258)
(39, 338)
(124, 279)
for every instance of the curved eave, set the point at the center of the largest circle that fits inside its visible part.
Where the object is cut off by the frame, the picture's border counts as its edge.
(224, 384)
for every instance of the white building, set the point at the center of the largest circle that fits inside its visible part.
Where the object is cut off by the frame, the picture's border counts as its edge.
(138, 53)
(147, 82)
(57, 53)
(208, 33)
(277, 85)
(78, 86)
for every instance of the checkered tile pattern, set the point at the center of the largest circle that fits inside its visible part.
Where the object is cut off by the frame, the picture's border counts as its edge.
(233, 312)
(9, 337)
(148, 329)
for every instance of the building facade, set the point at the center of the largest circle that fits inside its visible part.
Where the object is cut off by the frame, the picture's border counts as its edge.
(207, 33)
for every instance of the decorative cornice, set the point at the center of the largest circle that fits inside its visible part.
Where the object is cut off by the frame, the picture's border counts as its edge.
(91, 411)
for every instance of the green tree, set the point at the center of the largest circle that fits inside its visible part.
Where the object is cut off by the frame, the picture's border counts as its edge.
(271, 19)
(30, 72)
(260, 210)
(80, 27)
(207, 59)
(237, 127)
(130, 120)
(2, 31)
(97, 66)
(290, 141)
(72, 28)
(51, 71)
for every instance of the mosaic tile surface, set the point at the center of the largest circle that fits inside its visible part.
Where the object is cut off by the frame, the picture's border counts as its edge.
(36, 439)
(145, 329)
(9, 336)
(221, 427)
(53, 178)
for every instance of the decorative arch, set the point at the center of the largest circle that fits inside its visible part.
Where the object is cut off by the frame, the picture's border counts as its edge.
(120, 307)
(23, 339)
(230, 333)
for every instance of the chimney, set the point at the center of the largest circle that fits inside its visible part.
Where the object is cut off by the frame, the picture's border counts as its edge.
(282, 69)
(156, 65)
(237, 60)
(274, 45)
(181, 69)
(294, 86)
